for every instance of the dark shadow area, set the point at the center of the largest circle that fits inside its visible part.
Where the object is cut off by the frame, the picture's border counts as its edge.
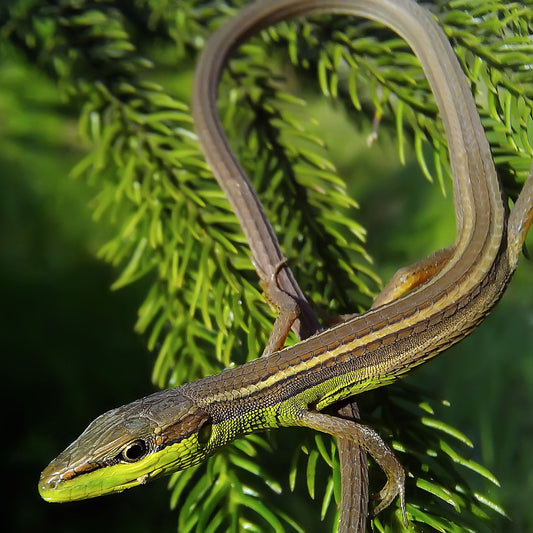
(68, 347)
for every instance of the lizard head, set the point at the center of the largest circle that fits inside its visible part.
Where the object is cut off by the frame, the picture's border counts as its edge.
(128, 446)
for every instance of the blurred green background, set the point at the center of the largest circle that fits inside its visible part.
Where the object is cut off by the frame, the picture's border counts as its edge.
(69, 349)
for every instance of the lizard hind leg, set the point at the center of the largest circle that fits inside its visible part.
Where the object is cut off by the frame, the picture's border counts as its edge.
(289, 309)
(520, 221)
(410, 277)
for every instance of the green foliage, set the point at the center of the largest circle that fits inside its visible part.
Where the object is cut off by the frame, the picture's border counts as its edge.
(365, 64)
(204, 311)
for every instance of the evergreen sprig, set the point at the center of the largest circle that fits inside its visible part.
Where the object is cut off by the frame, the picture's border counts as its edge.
(204, 311)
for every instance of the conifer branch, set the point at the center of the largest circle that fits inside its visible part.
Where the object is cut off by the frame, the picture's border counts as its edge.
(204, 310)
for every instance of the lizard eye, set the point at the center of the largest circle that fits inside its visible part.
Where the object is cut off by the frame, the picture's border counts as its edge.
(134, 451)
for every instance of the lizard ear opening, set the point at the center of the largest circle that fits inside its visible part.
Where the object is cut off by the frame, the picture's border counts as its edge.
(198, 422)
(205, 431)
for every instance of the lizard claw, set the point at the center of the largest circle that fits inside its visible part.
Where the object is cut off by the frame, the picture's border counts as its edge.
(395, 486)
